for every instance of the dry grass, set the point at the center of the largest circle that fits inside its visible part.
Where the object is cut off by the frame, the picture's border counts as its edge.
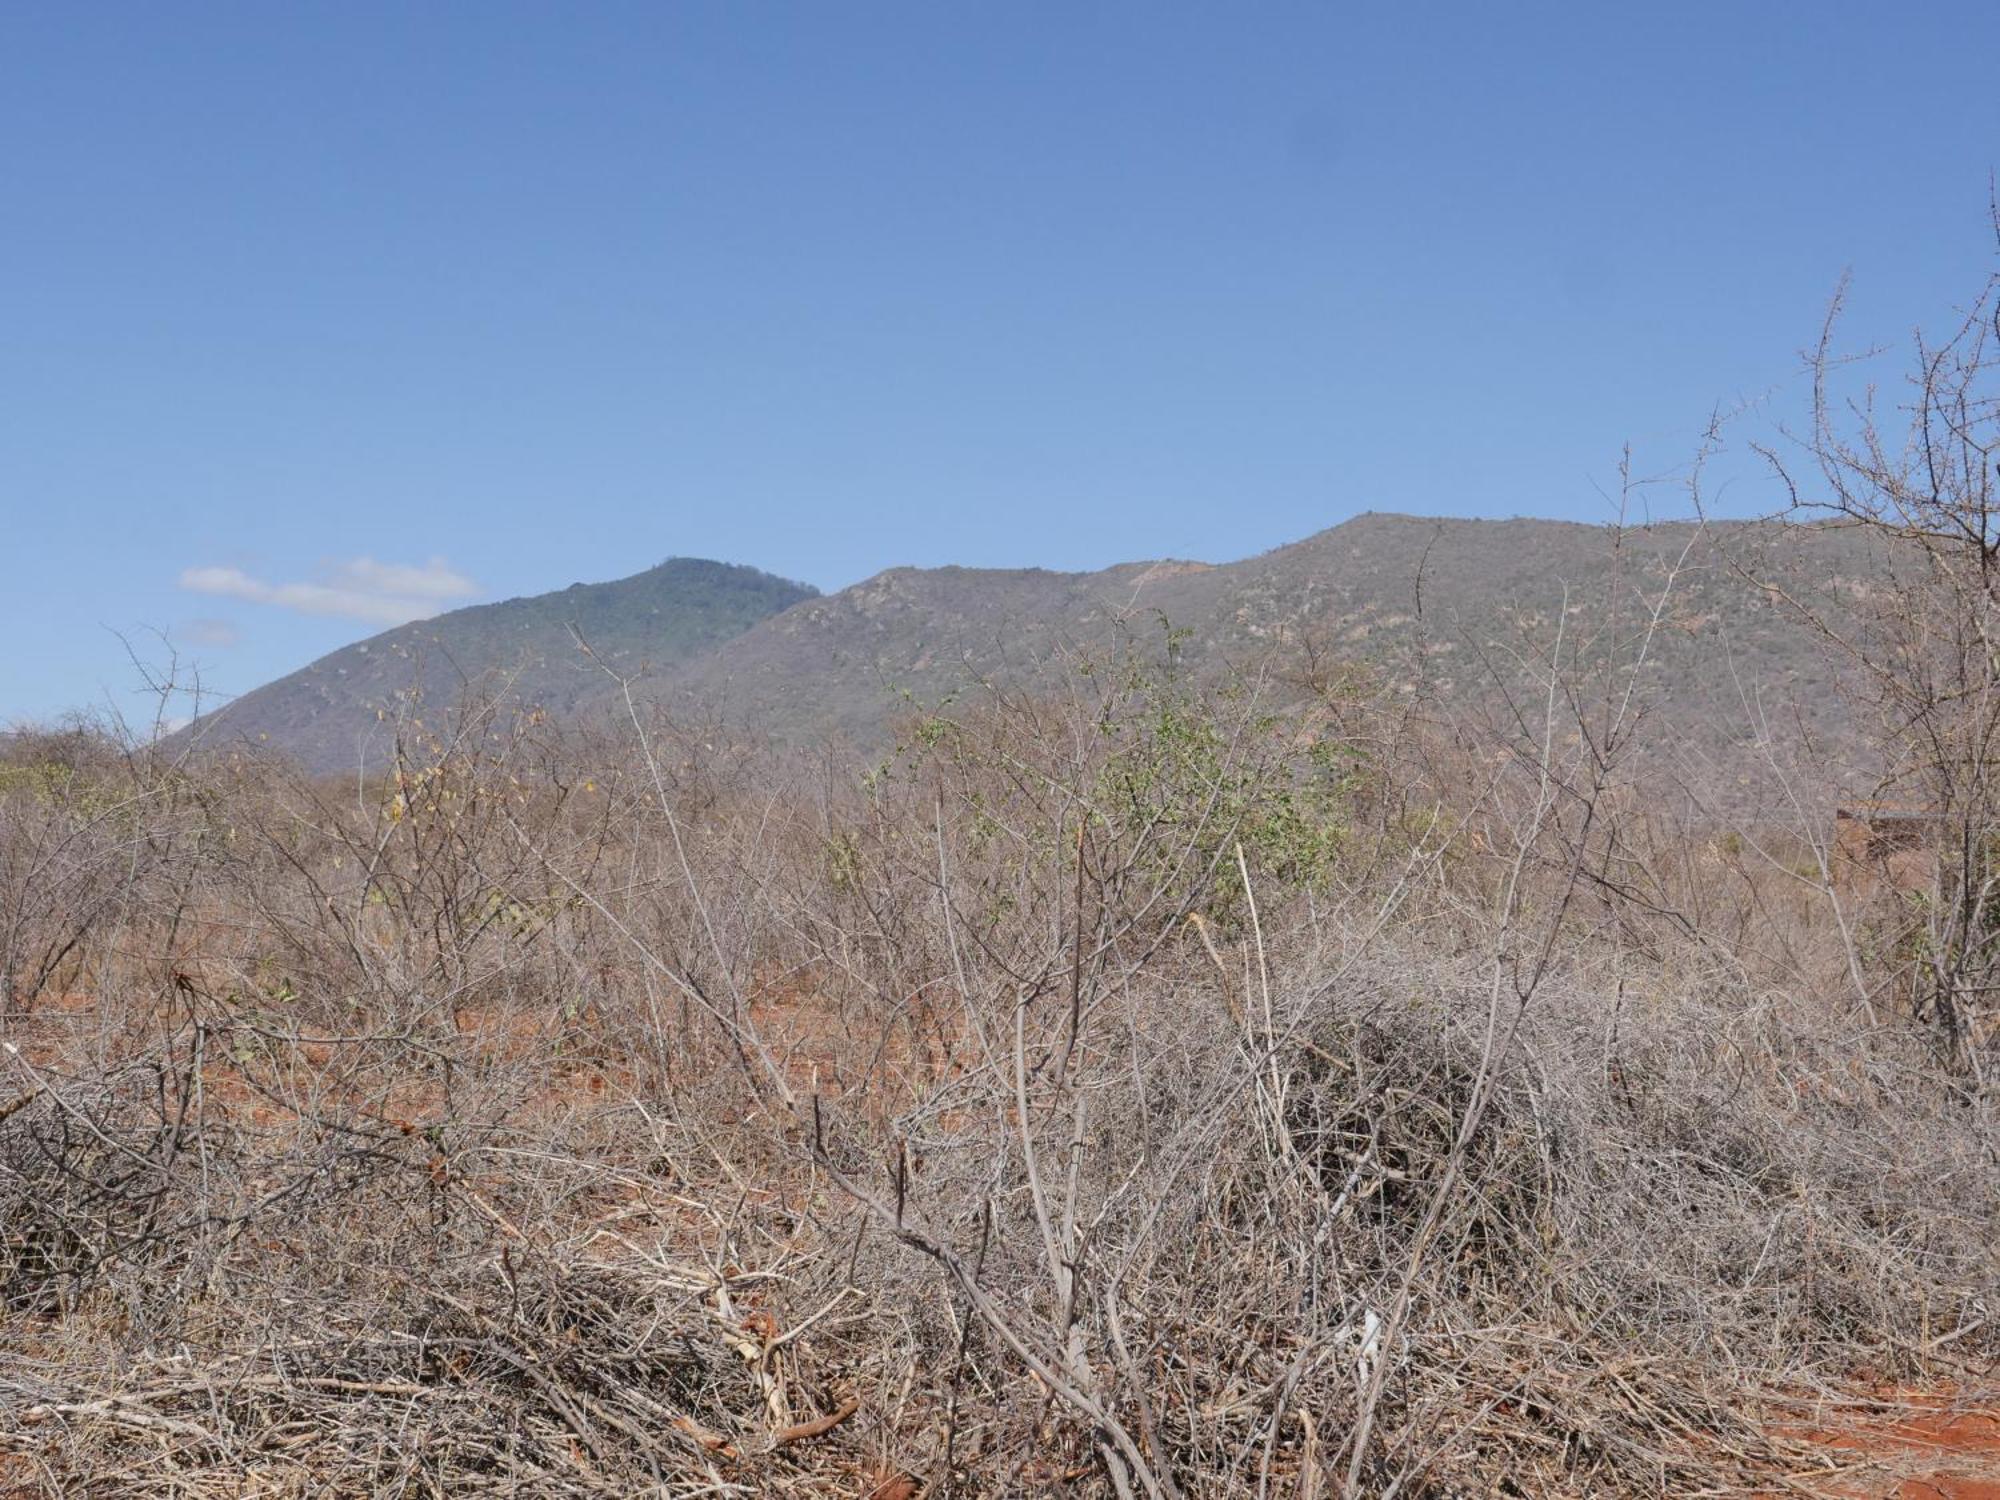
(1120, 1096)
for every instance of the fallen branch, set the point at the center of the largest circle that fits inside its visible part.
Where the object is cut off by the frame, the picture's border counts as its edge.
(818, 1426)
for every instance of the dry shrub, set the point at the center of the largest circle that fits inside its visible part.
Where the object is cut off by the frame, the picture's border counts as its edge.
(1136, 1093)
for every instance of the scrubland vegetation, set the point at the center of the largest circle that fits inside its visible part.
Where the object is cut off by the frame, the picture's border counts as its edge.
(1142, 1093)
(1162, 1087)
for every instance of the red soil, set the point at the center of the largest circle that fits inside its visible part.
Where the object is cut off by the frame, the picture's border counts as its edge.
(1907, 1446)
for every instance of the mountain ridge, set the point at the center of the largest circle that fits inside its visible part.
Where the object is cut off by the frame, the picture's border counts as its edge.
(327, 710)
(1406, 595)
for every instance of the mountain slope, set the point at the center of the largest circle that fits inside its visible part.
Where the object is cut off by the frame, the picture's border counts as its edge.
(849, 663)
(1453, 602)
(1464, 606)
(327, 712)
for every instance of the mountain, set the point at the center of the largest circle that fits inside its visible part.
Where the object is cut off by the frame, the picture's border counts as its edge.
(1451, 603)
(326, 714)
(1458, 604)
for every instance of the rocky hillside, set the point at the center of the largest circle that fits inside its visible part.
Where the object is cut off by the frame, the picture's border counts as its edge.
(1457, 606)
(329, 713)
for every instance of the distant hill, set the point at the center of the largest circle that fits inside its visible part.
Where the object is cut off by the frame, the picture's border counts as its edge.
(326, 714)
(1453, 603)
(1448, 604)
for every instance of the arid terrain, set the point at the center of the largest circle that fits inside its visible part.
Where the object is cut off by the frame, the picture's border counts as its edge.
(1000, 752)
(1143, 1082)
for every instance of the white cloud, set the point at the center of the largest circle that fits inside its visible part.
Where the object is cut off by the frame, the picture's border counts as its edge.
(358, 589)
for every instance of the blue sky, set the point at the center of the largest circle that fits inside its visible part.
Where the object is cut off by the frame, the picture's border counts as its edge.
(320, 316)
